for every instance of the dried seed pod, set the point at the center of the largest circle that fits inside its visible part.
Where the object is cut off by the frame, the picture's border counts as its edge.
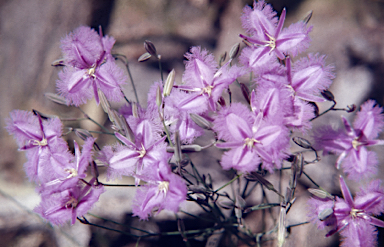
(328, 95)
(302, 142)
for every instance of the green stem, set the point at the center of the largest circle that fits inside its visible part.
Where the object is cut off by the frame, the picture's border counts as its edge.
(100, 132)
(318, 186)
(160, 67)
(133, 84)
(117, 223)
(225, 185)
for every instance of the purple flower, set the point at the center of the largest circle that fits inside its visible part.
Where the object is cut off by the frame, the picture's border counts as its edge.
(352, 217)
(68, 204)
(138, 158)
(165, 191)
(268, 34)
(250, 139)
(309, 77)
(71, 172)
(46, 150)
(204, 80)
(299, 118)
(351, 142)
(89, 68)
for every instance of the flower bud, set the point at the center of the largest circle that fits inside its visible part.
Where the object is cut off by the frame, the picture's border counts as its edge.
(144, 57)
(150, 47)
(245, 91)
(159, 97)
(58, 62)
(56, 98)
(83, 134)
(308, 16)
(234, 51)
(169, 83)
(103, 100)
(201, 121)
(320, 193)
(302, 142)
(323, 215)
(328, 95)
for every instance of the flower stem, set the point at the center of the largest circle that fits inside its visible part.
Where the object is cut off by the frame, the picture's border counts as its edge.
(85, 115)
(225, 185)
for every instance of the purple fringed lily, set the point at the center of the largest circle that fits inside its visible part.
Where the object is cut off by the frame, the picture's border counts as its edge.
(268, 34)
(204, 80)
(46, 150)
(166, 191)
(351, 217)
(351, 142)
(309, 77)
(137, 159)
(72, 172)
(250, 139)
(89, 68)
(69, 204)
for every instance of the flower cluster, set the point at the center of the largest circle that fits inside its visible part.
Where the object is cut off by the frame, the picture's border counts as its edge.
(58, 174)
(280, 100)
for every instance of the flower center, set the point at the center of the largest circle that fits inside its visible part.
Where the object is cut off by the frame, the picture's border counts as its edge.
(43, 142)
(91, 72)
(250, 142)
(142, 152)
(355, 212)
(290, 88)
(71, 203)
(271, 42)
(207, 90)
(72, 172)
(163, 187)
(356, 143)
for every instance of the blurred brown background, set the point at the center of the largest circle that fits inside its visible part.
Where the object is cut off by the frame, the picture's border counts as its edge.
(349, 32)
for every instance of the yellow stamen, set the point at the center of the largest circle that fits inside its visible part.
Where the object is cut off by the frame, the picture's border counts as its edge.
(72, 172)
(71, 203)
(43, 142)
(249, 142)
(91, 72)
(271, 43)
(163, 187)
(356, 143)
(207, 90)
(354, 212)
(142, 152)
